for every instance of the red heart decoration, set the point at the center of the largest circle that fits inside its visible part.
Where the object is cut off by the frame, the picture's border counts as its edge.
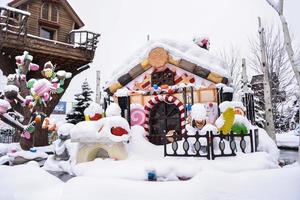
(118, 131)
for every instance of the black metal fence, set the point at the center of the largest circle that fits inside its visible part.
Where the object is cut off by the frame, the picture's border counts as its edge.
(7, 136)
(210, 145)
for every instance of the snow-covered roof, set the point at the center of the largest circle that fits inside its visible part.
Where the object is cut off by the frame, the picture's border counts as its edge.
(178, 50)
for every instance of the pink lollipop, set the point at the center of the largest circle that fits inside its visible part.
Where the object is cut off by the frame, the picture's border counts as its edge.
(137, 116)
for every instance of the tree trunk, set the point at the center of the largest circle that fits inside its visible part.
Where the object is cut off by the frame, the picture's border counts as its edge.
(269, 126)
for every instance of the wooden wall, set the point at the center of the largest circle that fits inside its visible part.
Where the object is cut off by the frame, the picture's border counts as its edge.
(65, 21)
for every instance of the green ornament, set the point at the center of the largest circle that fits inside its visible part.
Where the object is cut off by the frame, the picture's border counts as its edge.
(59, 90)
(239, 128)
(30, 129)
(62, 82)
(30, 83)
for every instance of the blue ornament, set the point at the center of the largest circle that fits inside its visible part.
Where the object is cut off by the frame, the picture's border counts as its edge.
(155, 87)
(152, 175)
(33, 150)
(189, 107)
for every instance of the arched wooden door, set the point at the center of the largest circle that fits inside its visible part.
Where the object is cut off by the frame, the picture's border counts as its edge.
(164, 117)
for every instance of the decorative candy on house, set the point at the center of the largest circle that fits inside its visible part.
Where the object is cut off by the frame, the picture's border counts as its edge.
(165, 79)
(105, 138)
(233, 118)
(93, 112)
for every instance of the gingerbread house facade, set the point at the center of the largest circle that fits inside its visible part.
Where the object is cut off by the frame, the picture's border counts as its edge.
(158, 86)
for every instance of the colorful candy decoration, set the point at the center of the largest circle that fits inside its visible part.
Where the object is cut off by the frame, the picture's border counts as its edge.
(4, 106)
(62, 75)
(137, 115)
(40, 90)
(225, 121)
(48, 71)
(28, 131)
(11, 90)
(212, 112)
(239, 128)
(202, 42)
(21, 62)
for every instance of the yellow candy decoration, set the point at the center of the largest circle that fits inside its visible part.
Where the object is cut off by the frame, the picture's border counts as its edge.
(228, 117)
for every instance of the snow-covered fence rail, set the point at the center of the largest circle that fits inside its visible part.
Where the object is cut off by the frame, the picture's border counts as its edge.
(7, 136)
(210, 145)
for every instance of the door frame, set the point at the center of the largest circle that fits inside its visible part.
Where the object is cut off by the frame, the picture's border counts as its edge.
(167, 99)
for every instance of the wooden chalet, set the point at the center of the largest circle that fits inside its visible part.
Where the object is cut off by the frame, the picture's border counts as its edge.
(48, 29)
(157, 88)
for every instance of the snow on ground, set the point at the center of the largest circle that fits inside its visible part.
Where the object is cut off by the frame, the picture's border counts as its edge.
(245, 176)
(28, 182)
(6, 148)
(272, 184)
(289, 139)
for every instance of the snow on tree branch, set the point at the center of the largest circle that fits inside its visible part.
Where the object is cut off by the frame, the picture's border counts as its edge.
(277, 5)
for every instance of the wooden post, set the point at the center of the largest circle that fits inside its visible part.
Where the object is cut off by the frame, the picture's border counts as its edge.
(269, 125)
(244, 76)
(98, 93)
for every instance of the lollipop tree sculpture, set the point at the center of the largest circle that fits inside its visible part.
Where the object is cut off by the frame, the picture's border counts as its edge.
(25, 103)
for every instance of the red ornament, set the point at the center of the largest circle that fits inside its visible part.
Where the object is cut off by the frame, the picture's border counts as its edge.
(96, 117)
(210, 104)
(118, 131)
(170, 91)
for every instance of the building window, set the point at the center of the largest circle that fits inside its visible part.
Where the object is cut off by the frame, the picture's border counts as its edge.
(48, 33)
(163, 78)
(49, 12)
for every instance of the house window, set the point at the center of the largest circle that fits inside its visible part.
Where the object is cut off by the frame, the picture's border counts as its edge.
(163, 78)
(49, 12)
(48, 33)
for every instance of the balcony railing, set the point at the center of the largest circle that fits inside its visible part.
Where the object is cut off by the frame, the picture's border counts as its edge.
(13, 20)
(84, 39)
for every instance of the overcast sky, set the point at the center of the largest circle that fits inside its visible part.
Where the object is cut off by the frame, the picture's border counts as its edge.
(124, 25)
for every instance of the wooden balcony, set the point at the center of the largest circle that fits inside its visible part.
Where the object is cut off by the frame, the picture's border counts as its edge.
(14, 39)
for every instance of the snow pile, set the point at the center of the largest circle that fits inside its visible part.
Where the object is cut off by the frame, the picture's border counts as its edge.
(139, 145)
(123, 92)
(266, 144)
(6, 148)
(224, 105)
(247, 186)
(28, 182)
(28, 154)
(113, 110)
(101, 130)
(289, 139)
(93, 109)
(198, 112)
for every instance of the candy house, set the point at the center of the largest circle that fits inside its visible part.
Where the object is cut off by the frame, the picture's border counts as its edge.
(157, 87)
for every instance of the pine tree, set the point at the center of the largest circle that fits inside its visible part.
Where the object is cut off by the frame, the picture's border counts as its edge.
(83, 100)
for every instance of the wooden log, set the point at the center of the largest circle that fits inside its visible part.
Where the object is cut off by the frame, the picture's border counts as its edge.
(126, 78)
(173, 61)
(186, 65)
(158, 57)
(138, 70)
(114, 87)
(216, 78)
(202, 72)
